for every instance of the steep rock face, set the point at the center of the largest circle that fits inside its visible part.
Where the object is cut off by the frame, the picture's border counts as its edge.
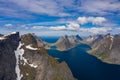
(38, 65)
(29, 39)
(8, 44)
(108, 49)
(63, 43)
(42, 43)
(74, 39)
(23, 59)
(91, 40)
(68, 42)
(32, 38)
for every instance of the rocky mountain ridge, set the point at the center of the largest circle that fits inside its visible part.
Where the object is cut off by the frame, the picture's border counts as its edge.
(67, 42)
(63, 43)
(22, 58)
(93, 39)
(107, 48)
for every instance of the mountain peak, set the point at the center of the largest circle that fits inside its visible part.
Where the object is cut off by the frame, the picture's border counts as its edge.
(3, 37)
(67, 42)
(29, 39)
(93, 39)
(24, 59)
(78, 37)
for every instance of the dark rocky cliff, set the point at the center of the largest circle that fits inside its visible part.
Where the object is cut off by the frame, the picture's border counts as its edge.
(8, 44)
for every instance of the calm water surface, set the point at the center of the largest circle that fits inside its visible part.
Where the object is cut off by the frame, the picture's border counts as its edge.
(50, 39)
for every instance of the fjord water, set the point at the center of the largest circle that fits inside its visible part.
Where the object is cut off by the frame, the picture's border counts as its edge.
(49, 39)
(85, 66)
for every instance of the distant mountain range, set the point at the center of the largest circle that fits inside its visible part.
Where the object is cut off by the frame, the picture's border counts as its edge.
(105, 47)
(24, 58)
(63, 43)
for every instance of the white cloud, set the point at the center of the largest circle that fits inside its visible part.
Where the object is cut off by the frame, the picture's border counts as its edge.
(93, 20)
(96, 20)
(8, 25)
(58, 28)
(82, 20)
(118, 28)
(13, 11)
(73, 26)
(57, 7)
(49, 7)
(100, 7)
(96, 30)
(24, 27)
(38, 27)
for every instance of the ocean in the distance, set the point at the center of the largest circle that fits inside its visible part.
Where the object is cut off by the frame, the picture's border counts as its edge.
(85, 66)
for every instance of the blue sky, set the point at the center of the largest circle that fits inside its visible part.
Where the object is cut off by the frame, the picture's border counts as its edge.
(60, 17)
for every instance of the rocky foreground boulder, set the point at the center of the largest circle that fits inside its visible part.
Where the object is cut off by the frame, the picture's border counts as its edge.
(22, 58)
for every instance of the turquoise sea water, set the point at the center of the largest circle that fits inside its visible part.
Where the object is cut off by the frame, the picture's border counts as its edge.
(85, 66)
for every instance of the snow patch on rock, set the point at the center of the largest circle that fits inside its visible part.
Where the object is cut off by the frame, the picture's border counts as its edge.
(2, 38)
(18, 53)
(31, 48)
(33, 65)
(111, 38)
(13, 32)
(10, 34)
(19, 56)
(27, 74)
